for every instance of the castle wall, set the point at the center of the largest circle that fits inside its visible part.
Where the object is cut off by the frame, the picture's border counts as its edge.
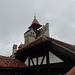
(44, 30)
(14, 50)
(29, 37)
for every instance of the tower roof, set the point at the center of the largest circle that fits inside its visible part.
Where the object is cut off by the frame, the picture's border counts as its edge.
(35, 21)
(35, 24)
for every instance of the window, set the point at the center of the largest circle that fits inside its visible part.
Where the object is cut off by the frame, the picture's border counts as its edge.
(31, 32)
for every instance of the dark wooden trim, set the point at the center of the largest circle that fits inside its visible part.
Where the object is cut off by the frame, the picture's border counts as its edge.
(37, 60)
(28, 61)
(42, 60)
(55, 68)
(63, 53)
(32, 61)
(47, 58)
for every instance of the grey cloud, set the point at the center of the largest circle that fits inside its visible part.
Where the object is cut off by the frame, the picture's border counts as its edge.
(17, 15)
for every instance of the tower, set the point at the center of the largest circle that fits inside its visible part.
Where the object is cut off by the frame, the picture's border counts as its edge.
(35, 30)
(35, 26)
(14, 50)
(29, 36)
(32, 32)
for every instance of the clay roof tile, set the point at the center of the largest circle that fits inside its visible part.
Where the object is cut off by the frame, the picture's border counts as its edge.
(66, 45)
(72, 71)
(10, 62)
(35, 21)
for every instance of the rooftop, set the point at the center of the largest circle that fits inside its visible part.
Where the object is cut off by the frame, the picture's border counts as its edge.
(72, 71)
(40, 45)
(39, 40)
(10, 62)
(35, 21)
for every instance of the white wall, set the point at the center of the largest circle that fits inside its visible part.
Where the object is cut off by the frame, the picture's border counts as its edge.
(29, 37)
(53, 58)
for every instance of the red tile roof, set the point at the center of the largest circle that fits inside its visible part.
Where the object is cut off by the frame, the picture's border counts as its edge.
(10, 62)
(21, 45)
(72, 71)
(70, 49)
(66, 45)
(44, 38)
(35, 21)
(31, 44)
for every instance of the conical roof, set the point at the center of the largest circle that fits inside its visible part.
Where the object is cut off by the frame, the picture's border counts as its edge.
(35, 24)
(35, 21)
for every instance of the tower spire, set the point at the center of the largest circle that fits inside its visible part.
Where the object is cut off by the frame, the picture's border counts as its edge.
(34, 15)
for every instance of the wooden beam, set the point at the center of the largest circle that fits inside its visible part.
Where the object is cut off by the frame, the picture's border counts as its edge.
(62, 52)
(42, 60)
(28, 61)
(47, 58)
(32, 61)
(57, 68)
(37, 60)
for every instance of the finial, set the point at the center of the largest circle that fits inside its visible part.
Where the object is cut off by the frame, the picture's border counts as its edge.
(34, 15)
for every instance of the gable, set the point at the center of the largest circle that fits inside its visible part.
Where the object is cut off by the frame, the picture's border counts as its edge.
(52, 59)
(40, 46)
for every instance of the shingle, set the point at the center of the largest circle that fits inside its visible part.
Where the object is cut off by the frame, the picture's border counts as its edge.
(41, 39)
(72, 71)
(35, 21)
(10, 62)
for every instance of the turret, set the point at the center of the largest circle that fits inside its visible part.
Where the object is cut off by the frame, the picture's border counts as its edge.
(46, 31)
(32, 33)
(35, 26)
(35, 31)
(14, 50)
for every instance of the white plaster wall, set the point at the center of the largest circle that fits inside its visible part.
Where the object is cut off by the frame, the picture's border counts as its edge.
(44, 30)
(29, 33)
(14, 50)
(53, 58)
(29, 37)
(47, 30)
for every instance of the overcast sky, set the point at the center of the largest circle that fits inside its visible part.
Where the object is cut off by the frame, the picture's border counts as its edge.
(17, 15)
